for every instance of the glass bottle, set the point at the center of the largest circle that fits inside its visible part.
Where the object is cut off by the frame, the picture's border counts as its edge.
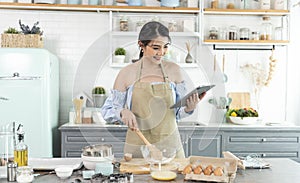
(213, 33)
(265, 4)
(214, 4)
(21, 149)
(255, 35)
(124, 24)
(244, 33)
(232, 32)
(266, 29)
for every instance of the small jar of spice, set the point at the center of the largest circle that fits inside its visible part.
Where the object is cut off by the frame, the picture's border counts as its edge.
(124, 24)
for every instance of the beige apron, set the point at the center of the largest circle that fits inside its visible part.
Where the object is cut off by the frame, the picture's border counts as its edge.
(150, 104)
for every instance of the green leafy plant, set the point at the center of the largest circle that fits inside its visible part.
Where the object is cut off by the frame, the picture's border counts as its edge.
(34, 30)
(120, 51)
(11, 30)
(98, 90)
(242, 112)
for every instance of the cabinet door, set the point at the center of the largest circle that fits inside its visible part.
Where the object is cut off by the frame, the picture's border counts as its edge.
(205, 146)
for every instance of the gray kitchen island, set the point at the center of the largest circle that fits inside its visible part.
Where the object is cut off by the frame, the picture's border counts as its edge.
(282, 170)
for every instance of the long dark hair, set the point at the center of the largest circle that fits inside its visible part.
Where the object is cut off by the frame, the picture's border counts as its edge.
(152, 30)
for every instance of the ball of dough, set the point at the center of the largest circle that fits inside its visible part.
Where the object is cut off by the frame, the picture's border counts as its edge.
(127, 156)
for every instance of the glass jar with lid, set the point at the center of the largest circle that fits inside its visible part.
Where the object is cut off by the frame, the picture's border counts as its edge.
(214, 4)
(266, 29)
(244, 33)
(124, 23)
(232, 32)
(213, 33)
(254, 35)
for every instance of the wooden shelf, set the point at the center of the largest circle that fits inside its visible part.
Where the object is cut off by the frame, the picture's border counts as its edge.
(97, 8)
(247, 42)
(182, 65)
(245, 12)
(177, 34)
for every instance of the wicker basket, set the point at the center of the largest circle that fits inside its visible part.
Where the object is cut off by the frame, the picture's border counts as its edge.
(21, 41)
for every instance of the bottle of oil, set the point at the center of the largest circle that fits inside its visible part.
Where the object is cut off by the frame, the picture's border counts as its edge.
(21, 149)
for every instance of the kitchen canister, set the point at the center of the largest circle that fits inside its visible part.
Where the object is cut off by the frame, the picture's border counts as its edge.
(135, 2)
(169, 3)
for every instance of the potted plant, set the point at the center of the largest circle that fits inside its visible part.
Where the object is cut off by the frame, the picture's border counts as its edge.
(99, 96)
(119, 55)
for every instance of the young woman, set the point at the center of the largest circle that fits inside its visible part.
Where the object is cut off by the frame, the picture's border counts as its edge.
(144, 91)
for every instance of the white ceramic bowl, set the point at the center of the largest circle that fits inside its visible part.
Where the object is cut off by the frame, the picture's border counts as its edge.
(64, 172)
(244, 120)
(90, 162)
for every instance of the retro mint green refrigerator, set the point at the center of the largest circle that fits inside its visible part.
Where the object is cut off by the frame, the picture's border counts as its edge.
(29, 95)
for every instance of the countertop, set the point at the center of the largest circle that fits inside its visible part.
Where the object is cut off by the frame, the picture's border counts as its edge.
(281, 171)
(192, 125)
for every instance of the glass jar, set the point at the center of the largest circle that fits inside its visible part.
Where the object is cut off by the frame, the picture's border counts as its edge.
(266, 29)
(222, 33)
(138, 26)
(213, 33)
(24, 174)
(172, 26)
(124, 24)
(255, 35)
(265, 4)
(244, 33)
(278, 33)
(232, 32)
(214, 4)
(230, 4)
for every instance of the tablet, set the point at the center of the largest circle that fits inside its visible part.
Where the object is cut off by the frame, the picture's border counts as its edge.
(199, 89)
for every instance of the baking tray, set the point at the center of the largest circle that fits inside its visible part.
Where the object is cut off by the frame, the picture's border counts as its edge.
(52, 163)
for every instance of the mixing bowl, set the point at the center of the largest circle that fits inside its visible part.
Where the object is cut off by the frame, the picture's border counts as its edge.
(168, 154)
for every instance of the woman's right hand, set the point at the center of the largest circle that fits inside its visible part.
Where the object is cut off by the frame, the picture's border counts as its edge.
(129, 119)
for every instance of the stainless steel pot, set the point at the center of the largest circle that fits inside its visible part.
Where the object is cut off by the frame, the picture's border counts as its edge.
(98, 150)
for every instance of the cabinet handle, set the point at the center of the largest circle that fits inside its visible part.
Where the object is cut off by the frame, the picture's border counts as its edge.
(263, 155)
(264, 140)
(102, 139)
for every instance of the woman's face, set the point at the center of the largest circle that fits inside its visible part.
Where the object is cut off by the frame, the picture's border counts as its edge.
(156, 49)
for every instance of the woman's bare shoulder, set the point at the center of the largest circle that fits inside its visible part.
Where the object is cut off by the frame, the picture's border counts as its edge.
(126, 77)
(174, 71)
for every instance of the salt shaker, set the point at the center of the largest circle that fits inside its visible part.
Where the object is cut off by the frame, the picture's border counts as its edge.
(11, 172)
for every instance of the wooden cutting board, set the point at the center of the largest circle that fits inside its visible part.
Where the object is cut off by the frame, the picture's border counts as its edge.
(140, 166)
(239, 99)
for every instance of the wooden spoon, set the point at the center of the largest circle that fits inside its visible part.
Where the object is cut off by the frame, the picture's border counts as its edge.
(155, 153)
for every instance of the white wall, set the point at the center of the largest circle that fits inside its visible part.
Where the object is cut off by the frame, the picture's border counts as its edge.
(79, 39)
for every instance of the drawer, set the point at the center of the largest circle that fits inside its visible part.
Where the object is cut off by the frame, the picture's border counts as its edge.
(237, 139)
(205, 146)
(292, 155)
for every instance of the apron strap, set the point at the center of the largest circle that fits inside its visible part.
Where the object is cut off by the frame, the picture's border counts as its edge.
(139, 71)
(166, 78)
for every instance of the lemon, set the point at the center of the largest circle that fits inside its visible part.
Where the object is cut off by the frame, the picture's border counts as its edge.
(233, 114)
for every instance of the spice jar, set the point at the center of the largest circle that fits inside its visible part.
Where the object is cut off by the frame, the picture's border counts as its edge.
(265, 4)
(24, 174)
(11, 171)
(213, 33)
(255, 35)
(244, 33)
(214, 4)
(124, 24)
(232, 32)
(230, 4)
(172, 26)
(266, 29)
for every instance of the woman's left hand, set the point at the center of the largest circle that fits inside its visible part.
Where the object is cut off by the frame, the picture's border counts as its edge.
(192, 101)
